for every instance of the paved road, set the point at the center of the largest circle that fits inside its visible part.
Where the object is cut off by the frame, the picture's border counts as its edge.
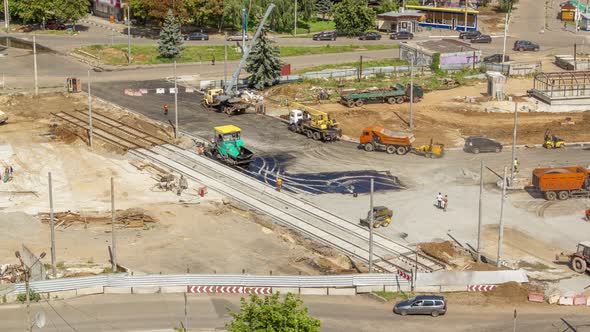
(209, 313)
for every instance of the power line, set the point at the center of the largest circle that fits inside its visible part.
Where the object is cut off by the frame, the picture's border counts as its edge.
(90, 316)
(60, 316)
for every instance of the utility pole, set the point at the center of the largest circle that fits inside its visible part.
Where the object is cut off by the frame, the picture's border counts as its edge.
(501, 231)
(90, 115)
(185, 313)
(224, 62)
(466, 6)
(361, 68)
(175, 103)
(412, 93)
(35, 65)
(295, 32)
(27, 270)
(514, 144)
(371, 229)
(243, 29)
(113, 219)
(6, 16)
(128, 33)
(506, 22)
(575, 55)
(480, 212)
(52, 226)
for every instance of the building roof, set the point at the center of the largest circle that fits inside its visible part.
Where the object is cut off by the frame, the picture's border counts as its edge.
(441, 46)
(227, 129)
(568, 6)
(442, 9)
(409, 12)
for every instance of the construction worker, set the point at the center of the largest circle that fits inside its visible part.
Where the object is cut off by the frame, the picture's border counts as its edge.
(516, 164)
(279, 183)
(588, 215)
(165, 109)
(213, 61)
(439, 200)
(445, 203)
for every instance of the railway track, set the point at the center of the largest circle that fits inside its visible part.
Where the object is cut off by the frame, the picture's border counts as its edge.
(302, 216)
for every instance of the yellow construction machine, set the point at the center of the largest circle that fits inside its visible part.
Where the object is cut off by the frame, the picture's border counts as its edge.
(432, 150)
(551, 141)
(313, 123)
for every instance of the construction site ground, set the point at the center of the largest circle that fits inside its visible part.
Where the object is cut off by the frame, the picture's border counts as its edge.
(157, 231)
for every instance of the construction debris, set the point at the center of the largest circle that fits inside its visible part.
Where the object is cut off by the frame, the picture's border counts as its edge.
(130, 218)
(11, 273)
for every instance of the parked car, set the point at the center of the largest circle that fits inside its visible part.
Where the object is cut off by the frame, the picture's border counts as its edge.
(197, 36)
(469, 34)
(325, 35)
(55, 26)
(481, 144)
(370, 36)
(482, 39)
(422, 305)
(496, 58)
(401, 35)
(525, 45)
(236, 37)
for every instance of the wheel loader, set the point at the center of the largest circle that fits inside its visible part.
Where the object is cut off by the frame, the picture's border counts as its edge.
(381, 217)
(580, 260)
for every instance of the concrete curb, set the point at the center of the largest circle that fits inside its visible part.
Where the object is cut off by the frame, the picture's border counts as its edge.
(375, 297)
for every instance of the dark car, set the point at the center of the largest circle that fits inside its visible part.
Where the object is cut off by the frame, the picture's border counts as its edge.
(370, 36)
(55, 26)
(481, 144)
(482, 39)
(469, 34)
(496, 58)
(237, 37)
(422, 305)
(525, 45)
(325, 35)
(401, 35)
(197, 36)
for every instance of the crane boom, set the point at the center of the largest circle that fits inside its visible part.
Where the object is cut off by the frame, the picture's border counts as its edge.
(234, 78)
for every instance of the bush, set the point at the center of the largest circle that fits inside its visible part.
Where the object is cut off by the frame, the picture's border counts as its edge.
(34, 297)
(435, 65)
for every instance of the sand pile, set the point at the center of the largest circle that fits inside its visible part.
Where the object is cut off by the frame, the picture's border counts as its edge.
(443, 251)
(509, 292)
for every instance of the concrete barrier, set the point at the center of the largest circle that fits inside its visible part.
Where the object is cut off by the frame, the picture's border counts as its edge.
(285, 290)
(145, 290)
(173, 289)
(428, 289)
(445, 289)
(90, 291)
(368, 289)
(400, 288)
(313, 291)
(63, 294)
(117, 290)
(342, 291)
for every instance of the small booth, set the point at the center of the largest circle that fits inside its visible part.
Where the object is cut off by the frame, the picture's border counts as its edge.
(568, 12)
(74, 85)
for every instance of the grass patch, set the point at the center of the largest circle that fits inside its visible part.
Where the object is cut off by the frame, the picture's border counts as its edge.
(394, 295)
(148, 54)
(318, 26)
(366, 64)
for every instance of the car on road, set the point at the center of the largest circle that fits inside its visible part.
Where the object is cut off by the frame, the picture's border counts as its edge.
(477, 144)
(525, 45)
(469, 34)
(197, 36)
(370, 36)
(496, 58)
(401, 35)
(236, 37)
(482, 39)
(433, 305)
(55, 26)
(325, 35)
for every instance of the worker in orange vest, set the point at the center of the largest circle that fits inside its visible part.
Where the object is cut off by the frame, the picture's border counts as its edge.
(588, 214)
(279, 184)
(165, 109)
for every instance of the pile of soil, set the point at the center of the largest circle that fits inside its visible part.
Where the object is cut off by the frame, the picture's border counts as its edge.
(443, 251)
(130, 218)
(509, 292)
(475, 266)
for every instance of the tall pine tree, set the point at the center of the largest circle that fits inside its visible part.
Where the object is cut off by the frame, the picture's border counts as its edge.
(171, 42)
(264, 63)
(324, 7)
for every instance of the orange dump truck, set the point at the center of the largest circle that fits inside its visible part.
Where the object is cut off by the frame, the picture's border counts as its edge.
(562, 182)
(379, 138)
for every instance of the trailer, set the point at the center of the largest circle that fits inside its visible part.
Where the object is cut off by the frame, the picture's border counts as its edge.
(562, 183)
(397, 94)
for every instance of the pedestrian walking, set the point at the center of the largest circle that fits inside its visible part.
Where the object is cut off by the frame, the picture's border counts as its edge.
(165, 109)
(445, 203)
(439, 200)
(213, 61)
(516, 164)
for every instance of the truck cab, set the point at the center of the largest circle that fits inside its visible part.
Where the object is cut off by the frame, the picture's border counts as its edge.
(296, 117)
(211, 94)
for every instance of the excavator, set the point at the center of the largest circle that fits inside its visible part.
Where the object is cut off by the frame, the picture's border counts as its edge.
(228, 99)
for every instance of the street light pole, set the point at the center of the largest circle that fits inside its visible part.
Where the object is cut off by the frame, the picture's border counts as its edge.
(52, 226)
(175, 103)
(27, 270)
(505, 35)
(224, 62)
(501, 230)
(480, 212)
(35, 65)
(371, 228)
(412, 93)
(113, 219)
(514, 144)
(6, 16)
(295, 30)
(90, 115)
(128, 33)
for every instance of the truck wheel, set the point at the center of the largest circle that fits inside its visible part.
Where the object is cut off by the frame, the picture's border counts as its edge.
(390, 149)
(309, 134)
(579, 265)
(402, 150)
(550, 195)
(399, 100)
(391, 100)
(359, 103)
(350, 103)
(317, 136)
(369, 147)
(563, 195)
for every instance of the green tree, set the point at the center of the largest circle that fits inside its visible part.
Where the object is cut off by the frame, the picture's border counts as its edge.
(387, 6)
(324, 7)
(33, 11)
(232, 14)
(66, 10)
(264, 63)
(171, 41)
(353, 17)
(506, 5)
(270, 314)
(204, 12)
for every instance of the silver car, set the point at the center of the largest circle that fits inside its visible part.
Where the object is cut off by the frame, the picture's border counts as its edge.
(422, 305)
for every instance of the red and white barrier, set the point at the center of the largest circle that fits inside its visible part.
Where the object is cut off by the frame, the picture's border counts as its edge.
(481, 288)
(229, 290)
(258, 290)
(404, 275)
(536, 297)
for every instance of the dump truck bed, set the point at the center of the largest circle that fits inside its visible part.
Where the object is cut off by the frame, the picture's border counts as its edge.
(561, 178)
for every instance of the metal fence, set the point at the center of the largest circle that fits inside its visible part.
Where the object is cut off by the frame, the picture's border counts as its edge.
(353, 72)
(244, 280)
